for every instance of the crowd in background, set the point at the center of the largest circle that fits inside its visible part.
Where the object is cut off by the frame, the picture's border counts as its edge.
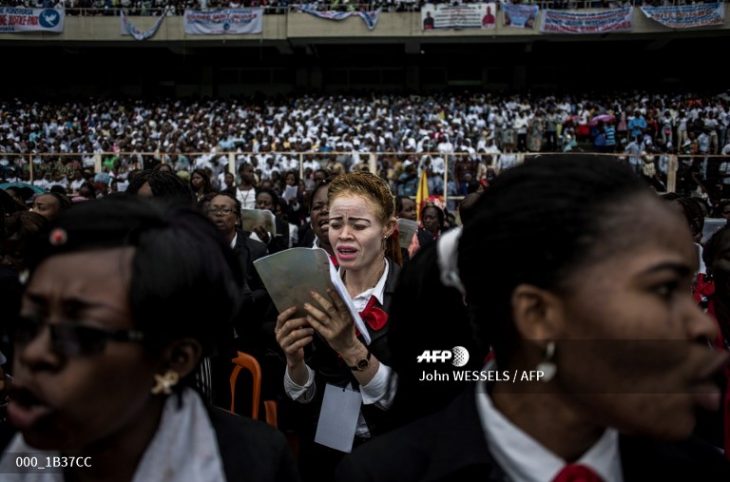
(469, 137)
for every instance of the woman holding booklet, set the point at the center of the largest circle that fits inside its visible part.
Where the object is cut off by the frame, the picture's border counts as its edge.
(338, 368)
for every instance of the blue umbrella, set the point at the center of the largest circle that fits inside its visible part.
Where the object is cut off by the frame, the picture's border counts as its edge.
(35, 189)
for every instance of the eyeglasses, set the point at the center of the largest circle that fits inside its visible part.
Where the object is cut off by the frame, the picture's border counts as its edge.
(220, 210)
(70, 339)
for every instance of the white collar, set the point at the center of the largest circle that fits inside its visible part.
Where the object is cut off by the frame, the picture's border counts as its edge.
(182, 431)
(233, 242)
(524, 459)
(377, 291)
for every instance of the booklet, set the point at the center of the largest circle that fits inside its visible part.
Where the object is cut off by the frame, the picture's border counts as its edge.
(253, 218)
(290, 192)
(406, 230)
(290, 275)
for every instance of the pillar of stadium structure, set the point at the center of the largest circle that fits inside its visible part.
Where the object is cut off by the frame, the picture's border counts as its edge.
(30, 167)
(373, 163)
(446, 181)
(301, 166)
(672, 173)
(232, 163)
(97, 162)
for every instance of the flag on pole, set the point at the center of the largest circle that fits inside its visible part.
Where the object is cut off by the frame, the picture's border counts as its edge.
(421, 194)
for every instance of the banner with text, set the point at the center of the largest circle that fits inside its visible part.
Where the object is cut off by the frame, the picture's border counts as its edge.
(687, 16)
(599, 21)
(224, 21)
(520, 16)
(128, 27)
(13, 19)
(472, 15)
(370, 18)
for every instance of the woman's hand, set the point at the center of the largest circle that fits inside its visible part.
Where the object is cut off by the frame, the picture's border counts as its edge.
(333, 322)
(292, 335)
(262, 234)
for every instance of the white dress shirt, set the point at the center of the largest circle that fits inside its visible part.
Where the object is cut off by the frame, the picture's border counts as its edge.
(523, 458)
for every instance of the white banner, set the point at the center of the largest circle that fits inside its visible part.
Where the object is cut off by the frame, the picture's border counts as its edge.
(224, 21)
(129, 29)
(471, 15)
(14, 19)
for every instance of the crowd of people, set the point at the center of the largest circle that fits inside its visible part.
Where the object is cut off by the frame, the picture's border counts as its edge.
(177, 7)
(595, 348)
(472, 137)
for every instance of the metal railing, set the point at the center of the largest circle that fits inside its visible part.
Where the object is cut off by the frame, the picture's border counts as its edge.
(451, 172)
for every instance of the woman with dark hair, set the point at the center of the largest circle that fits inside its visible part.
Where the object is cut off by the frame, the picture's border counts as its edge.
(200, 184)
(162, 185)
(317, 235)
(361, 226)
(602, 355)
(267, 200)
(433, 222)
(110, 333)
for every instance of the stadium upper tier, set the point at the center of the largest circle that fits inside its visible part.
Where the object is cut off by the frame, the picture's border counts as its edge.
(394, 23)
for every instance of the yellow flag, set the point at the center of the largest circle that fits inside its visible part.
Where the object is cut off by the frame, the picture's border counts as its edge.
(421, 194)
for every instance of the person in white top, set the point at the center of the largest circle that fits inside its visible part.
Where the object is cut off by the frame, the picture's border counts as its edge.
(600, 355)
(246, 191)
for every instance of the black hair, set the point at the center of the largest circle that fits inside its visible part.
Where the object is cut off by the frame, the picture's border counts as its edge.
(164, 185)
(712, 246)
(542, 219)
(184, 279)
(694, 213)
(320, 185)
(58, 189)
(466, 207)
(206, 180)
(270, 192)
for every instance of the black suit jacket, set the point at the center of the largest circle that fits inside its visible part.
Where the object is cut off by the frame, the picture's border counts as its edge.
(248, 251)
(450, 445)
(251, 451)
(330, 368)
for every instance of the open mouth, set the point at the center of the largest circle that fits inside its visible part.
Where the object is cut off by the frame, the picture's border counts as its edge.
(346, 253)
(25, 409)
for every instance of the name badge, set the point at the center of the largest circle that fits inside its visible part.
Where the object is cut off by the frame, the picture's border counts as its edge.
(338, 418)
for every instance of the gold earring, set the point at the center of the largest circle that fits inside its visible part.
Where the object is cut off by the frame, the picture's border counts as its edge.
(165, 382)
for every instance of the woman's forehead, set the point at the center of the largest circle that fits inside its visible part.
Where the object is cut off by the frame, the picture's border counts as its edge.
(352, 206)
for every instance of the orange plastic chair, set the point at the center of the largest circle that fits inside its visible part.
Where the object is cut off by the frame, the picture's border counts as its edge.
(248, 362)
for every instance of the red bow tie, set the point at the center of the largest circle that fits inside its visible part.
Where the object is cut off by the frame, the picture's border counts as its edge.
(577, 473)
(373, 315)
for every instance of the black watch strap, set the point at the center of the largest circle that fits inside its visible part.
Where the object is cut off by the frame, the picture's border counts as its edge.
(362, 364)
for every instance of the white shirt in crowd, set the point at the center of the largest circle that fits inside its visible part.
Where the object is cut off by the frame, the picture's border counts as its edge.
(246, 198)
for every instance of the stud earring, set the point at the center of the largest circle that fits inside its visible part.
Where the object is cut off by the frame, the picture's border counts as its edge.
(165, 382)
(547, 366)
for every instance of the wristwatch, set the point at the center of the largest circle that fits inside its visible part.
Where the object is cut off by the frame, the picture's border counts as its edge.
(362, 364)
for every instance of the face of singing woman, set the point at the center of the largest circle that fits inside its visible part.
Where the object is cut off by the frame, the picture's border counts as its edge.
(356, 232)
(632, 347)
